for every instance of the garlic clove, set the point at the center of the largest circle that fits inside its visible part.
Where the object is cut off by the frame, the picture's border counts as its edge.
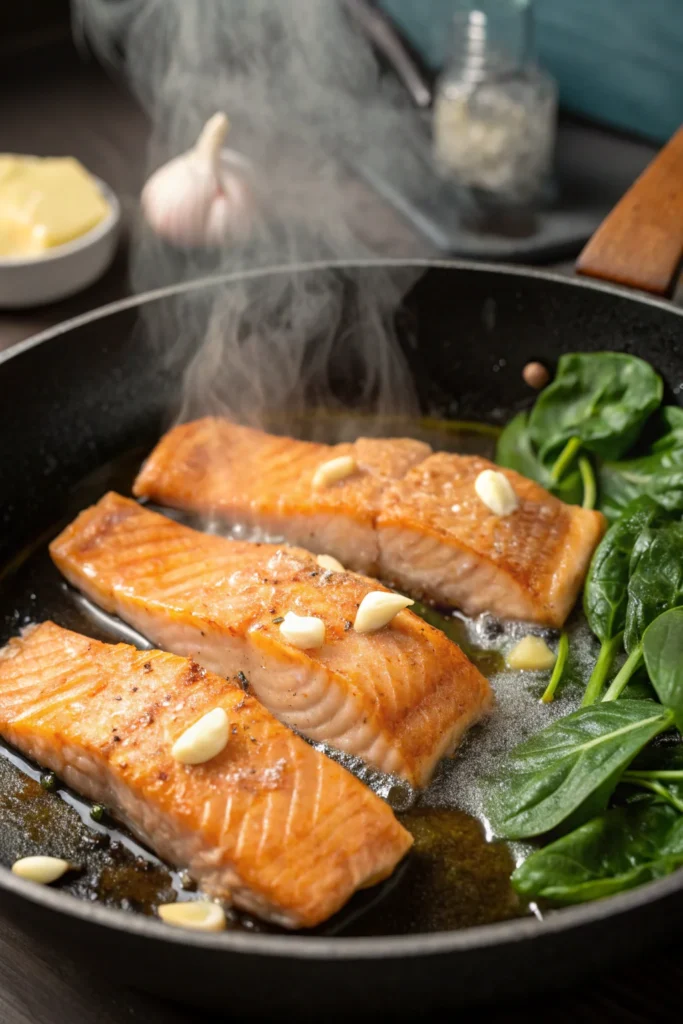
(496, 492)
(40, 869)
(328, 562)
(197, 199)
(204, 740)
(377, 609)
(531, 654)
(199, 915)
(304, 632)
(333, 471)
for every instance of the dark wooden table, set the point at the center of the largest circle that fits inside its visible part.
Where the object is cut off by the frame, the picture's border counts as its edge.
(64, 107)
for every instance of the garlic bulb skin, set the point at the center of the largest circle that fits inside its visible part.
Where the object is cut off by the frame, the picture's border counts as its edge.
(198, 198)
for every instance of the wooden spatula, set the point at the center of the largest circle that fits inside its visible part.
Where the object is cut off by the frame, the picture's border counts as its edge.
(640, 244)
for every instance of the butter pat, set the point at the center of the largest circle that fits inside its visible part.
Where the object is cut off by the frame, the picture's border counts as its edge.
(531, 654)
(45, 202)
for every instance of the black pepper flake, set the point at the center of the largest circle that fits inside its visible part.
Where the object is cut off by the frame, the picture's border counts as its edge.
(234, 730)
(118, 698)
(162, 776)
(202, 632)
(243, 681)
(253, 739)
(117, 739)
(316, 573)
(278, 620)
(147, 666)
(135, 689)
(347, 624)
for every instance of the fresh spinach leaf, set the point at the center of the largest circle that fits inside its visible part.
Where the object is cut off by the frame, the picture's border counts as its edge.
(619, 850)
(604, 399)
(605, 593)
(657, 471)
(568, 771)
(515, 450)
(659, 769)
(659, 475)
(663, 653)
(669, 428)
(655, 578)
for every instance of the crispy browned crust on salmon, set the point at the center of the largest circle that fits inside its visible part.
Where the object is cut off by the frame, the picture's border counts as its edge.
(270, 822)
(407, 515)
(216, 468)
(400, 698)
(438, 539)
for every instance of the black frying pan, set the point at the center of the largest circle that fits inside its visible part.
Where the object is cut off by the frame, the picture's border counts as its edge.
(80, 395)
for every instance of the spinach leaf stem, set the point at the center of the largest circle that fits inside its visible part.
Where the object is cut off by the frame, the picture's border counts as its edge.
(588, 480)
(663, 774)
(565, 459)
(653, 787)
(558, 670)
(608, 652)
(621, 680)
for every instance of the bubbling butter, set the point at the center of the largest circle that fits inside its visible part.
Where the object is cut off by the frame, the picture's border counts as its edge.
(45, 202)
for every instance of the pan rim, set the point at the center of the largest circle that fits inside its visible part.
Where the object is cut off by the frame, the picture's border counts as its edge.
(331, 947)
(293, 946)
(133, 301)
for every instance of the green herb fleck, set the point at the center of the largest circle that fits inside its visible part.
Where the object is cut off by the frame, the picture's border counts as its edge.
(48, 781)
(97, 812)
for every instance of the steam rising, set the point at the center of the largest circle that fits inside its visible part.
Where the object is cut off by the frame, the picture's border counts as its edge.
(307, 102)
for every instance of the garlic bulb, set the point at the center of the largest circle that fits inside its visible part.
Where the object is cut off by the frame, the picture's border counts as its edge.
(198, 198)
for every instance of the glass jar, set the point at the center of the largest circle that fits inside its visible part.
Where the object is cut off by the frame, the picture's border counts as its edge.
(495, 110)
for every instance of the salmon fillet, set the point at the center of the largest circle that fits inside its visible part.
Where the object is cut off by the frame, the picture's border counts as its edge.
(217, 469)
(270, 822)
(439, 540)
(408, 515)
(400, 698)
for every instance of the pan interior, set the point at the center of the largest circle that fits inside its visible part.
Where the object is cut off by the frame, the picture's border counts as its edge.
(455, 878)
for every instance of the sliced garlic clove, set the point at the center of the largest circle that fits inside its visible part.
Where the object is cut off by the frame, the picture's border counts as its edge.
(333, 471)
(496, 491)
(40, 869)
(377, 609)
(200, 915)
(204, 740)
(531, 654)
(303, 632)
(328, 562)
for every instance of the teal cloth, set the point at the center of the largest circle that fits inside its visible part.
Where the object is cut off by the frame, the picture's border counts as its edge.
(618, 61)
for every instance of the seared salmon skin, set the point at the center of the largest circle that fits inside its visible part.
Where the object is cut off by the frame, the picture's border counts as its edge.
(400, 697)
(405, 514)
(269, 823)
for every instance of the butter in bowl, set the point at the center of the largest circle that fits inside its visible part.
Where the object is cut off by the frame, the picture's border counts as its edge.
(58, 229)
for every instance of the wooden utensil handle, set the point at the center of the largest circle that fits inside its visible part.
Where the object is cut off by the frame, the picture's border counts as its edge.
(640, 243)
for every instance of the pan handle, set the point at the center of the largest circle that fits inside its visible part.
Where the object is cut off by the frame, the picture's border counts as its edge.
(387, 40)
(640, 243)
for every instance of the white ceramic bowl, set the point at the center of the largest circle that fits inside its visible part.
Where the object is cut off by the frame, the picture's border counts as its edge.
(64, 269)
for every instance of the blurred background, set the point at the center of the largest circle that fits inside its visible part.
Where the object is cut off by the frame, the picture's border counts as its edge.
(357, 128)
